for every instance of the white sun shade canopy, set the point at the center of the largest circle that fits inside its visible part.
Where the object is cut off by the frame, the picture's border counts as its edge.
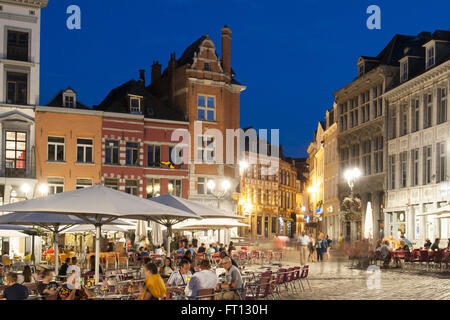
(208, 224)
(100, 201)
(193, 206)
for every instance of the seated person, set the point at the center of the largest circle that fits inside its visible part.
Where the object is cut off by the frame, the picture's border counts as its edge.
(181, 250)
(233, 281)
(167, 269)
(92, 265)
(145, 253)
(223, 254)
(158, 250)
(211, 250)
(427, 244)
(204, 279)
(179, 278)
(435, 246)
(403, 246)
(74, 270)
(47, 287)
(202, 248)
(64, 293)
(26, 277)
(154, 287)
(14, 291)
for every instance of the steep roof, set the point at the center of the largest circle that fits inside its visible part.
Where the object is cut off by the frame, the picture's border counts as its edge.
(117, 101)
(57, 101)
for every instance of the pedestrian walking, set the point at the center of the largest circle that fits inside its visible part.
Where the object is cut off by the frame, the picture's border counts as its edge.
(320, 249)
(303, 242)
(312, 249)
(328, 240)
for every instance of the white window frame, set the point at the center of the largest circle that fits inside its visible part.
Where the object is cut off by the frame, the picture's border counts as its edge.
(55, 185)
(56, 144)
(80, 185)
(431, 56)
(69, 94)
(85, 147)
(205, 147)
(109, 185)
(404, 71)
(133, 109)
(174, 182)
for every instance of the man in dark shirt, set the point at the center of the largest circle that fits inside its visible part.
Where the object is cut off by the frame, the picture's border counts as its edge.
(202, 248)
(47, 287)
(15, 291)
(63, 270)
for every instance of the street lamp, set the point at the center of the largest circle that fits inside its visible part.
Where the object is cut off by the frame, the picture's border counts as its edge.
(219, 194)
(351, 175)
(43, 189)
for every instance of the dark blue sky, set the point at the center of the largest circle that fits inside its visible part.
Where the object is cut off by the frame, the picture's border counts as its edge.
(291, 55)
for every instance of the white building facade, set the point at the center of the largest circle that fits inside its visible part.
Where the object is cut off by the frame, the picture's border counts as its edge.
(418, 143)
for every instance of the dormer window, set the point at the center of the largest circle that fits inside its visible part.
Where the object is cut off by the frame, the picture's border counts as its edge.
(207, 67)
(404, 71)
(360, 70)
(69, 99)
(135, 105)
(430, 56)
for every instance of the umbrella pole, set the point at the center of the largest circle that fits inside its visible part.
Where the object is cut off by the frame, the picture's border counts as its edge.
(56, 248)
(32, 251)
(169, 238)
(97, 253)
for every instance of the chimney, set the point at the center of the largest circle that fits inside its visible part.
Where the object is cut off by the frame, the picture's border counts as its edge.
(171, 75)
(156, 71)
(226, 49)
(142, 75)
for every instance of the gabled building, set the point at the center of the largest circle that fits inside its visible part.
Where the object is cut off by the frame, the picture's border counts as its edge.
(418, 141)
(361, 116)
(203, 86)
(136, 135)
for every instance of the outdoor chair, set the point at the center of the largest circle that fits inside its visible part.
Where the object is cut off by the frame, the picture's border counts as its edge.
(260, 289)
(424, 258)
(254, 256)
(296, 277)
(437, 259)
(111, 261)
(304, 276)
(206, 294)
(268, 256)
(278, 255)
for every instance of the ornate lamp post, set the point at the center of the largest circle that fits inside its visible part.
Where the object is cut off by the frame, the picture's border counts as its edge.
(351, 175)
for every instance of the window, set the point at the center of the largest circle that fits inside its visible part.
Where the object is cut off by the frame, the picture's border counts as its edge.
(135, 105)
(174, 187)
(154, 156)
(132, 153)
(206, 106)
(343, 117)
(428, 109)
(414, 167)
(202, 187)
(178, 157)
(427, 164)
(84, 150)
(55, 185)
(403, 169)
(378, 154)
(69, 101)
(153, 188)
(131, 187)
(442, 105)
(366, 163)
(393, 126)
(207, 67)
(377, 101)
(206, 148)
(55, 148)
(274, 225)
(112, 152)
(430, 57)
(267, 197)
(354, 162)
(392, 173)
(404, 120)
(360, 70)
(17, 88)
(365, 106)
(404, 71)
(112, 183)
(258, 225)
(84, 183)
(17, 45)
(258, 196)
(344, 157)
(353, 118)
(16, 146)
(441, 163)
(415, 111)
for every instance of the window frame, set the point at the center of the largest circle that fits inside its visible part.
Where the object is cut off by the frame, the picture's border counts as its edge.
(85, 147)
(133, 149)
(56, 144)
(111, 150)
(206, 108)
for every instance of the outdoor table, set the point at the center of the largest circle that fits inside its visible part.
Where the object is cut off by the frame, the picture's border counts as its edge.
(112, 297)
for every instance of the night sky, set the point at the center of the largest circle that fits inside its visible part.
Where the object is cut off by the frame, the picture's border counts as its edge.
(291, 55)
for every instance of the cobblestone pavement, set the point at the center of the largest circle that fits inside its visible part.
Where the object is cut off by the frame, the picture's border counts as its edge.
(334, 280)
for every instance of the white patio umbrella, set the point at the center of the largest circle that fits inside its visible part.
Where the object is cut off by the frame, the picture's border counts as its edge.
(208, 224)
(100, 205)
(157, 238)
(368, 222)
(12, 233)
(89, 228)
(141, 231)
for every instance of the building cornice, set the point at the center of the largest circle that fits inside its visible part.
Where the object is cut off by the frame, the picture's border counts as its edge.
(68, 111)
(419, 80)
(27, 3)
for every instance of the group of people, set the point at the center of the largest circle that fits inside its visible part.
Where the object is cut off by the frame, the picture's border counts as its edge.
(312, 249)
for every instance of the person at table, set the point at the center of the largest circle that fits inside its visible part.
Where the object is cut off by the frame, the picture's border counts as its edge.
(64, 293)
(231, 248)
(223, 254)
(181, 249)
(427, 244)
(402, 237)
(435, 246)
(92, 265)
(204, 279)
(110, 247)
(192, 250)
(74, 269)
(194, 242)
(188, 256)
(385, 253)
(221, 247)
(167, 269)
(216, 247)
(179, 278)
(202, 248)
(154, 287)
(47, 287)
(403, 246)
(63, 269)
(211, 250)
(14, 290)
(233, 280)
(26, 277)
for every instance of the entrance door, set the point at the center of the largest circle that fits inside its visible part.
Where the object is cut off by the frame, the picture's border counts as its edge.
(266, 227)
